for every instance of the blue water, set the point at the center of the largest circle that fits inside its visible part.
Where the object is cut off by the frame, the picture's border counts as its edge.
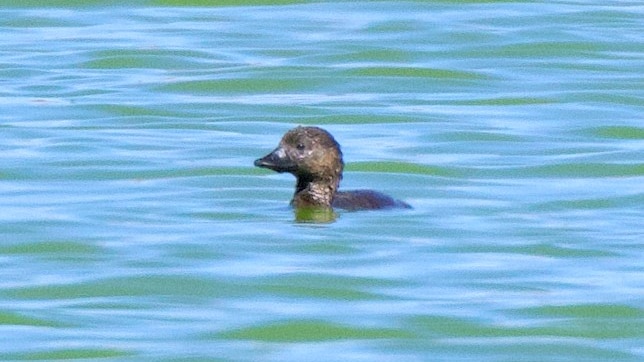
(135, 227)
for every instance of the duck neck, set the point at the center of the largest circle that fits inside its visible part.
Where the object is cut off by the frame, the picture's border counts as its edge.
(314, 193)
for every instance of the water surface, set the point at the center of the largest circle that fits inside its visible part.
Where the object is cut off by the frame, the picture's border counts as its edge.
(134, 225)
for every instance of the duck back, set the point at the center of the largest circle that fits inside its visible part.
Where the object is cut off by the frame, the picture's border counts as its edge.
(366, 200)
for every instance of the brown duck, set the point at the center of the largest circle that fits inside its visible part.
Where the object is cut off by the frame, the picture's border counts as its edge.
(314, 157)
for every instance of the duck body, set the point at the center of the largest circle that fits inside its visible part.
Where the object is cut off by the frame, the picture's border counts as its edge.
(365, 200)
(314, 157)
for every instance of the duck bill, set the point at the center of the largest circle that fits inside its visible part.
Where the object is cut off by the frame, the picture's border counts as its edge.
(278, 161)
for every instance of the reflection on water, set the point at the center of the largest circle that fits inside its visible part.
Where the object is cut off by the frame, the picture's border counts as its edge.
(314, 215)
(134, 225)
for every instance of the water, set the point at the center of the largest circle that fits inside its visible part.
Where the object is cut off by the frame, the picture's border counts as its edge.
(134, 226)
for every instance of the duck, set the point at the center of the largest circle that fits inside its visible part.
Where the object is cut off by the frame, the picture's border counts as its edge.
(314, 157)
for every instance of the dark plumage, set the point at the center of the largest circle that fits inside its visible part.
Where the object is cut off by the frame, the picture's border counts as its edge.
(313, 156)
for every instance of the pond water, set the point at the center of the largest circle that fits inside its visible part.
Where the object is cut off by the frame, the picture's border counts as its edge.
(135, 227)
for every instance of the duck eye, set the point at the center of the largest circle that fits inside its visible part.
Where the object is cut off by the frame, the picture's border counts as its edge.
(300, 147)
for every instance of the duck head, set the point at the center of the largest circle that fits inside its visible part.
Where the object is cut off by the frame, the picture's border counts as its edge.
(306, 152)
(314, 157)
